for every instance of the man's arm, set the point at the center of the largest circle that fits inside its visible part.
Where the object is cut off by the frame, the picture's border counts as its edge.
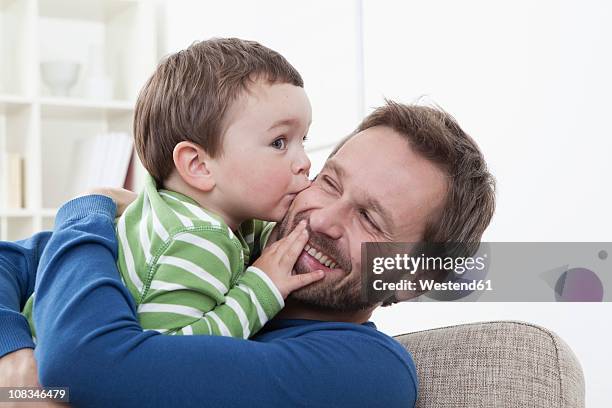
(90, 341)
(18, 264)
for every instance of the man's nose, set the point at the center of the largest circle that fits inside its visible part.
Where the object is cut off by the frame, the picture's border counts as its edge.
(328, 220)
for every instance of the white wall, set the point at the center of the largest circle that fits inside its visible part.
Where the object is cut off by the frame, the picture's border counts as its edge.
(319, 38)
(530, 81)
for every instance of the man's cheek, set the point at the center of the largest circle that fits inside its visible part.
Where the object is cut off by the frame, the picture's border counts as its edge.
(307, 199)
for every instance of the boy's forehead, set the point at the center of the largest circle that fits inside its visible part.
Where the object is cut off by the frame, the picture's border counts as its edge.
(282, 103)
(268, 105)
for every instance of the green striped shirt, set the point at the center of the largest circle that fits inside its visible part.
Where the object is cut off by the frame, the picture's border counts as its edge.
(187, 270)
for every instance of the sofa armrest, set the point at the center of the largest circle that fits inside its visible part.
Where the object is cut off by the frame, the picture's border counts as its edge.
(495, 364)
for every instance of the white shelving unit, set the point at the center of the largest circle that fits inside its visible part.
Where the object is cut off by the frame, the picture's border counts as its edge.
(44, 128)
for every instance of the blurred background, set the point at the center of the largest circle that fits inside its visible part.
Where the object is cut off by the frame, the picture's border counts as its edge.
(530, 81)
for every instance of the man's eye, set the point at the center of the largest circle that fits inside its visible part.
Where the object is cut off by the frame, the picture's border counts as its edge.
(364, 214)
(328, 181)
(279, 143)
(305, 138)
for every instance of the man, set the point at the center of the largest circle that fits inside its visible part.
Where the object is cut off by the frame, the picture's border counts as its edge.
(408, 173)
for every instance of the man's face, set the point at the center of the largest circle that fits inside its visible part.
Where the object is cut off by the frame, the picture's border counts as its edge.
(374, 189)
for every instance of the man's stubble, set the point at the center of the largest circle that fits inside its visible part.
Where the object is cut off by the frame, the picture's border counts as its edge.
(333, 294)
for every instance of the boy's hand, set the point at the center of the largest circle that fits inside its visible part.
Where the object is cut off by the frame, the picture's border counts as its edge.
(277, 262)
(120, 196)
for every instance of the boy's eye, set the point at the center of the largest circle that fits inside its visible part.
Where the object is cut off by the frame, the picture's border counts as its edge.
(279, 143)
(305, 138)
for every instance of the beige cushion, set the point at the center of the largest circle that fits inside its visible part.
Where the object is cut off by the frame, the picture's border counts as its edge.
(495, 364)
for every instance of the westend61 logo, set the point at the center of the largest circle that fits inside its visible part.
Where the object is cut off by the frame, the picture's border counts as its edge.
(494, 271)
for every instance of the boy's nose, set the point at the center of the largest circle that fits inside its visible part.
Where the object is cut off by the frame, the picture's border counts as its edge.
(301, 164)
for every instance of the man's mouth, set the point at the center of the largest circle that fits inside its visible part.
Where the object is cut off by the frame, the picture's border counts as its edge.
(320, 256)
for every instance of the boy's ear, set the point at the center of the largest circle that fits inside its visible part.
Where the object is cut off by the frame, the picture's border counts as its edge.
(193, 165)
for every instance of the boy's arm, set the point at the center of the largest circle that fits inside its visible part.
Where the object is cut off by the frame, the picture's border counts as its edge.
(18, 264)
(192, 292)
(256, 235)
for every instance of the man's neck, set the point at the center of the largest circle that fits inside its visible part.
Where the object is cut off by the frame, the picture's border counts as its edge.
(297, 310)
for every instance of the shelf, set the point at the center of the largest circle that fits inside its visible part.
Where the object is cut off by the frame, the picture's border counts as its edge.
(106, 38)
(88, 103)
(26, 212)
(90, 10)
(18, 213)
(86, 108)
(48, 212)
(6, 100)
(113, 41)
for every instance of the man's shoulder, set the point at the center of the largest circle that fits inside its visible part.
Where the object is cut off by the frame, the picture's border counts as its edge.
(364, 337)
(364, 334)
(366, 357)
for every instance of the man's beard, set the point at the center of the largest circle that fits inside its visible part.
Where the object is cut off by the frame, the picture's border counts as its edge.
(335, 294)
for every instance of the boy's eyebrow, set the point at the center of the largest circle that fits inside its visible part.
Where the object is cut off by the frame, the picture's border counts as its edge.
(284, 122)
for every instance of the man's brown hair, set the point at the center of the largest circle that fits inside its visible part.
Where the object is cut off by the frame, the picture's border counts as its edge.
(436, 135)
(189, 93)
(470, 194)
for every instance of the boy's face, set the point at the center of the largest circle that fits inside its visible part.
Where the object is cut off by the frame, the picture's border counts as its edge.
(263, 165)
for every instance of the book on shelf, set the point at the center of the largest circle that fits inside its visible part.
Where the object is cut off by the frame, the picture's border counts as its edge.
(100, 161)
(14, 181)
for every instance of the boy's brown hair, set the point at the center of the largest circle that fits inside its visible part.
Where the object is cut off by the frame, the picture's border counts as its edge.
(189, 93)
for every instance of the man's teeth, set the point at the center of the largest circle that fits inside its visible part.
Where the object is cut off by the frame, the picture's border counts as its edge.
(318, 255)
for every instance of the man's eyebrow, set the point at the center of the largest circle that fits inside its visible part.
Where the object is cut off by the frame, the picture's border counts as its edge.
(385, 214)
(335, 167)
(370, 202)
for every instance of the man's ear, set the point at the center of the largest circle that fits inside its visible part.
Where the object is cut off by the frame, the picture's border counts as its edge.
(193, 165)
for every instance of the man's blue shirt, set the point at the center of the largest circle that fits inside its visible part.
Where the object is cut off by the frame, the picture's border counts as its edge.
(89, 338)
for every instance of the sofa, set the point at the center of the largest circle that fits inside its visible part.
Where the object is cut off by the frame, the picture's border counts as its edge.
(494, 365)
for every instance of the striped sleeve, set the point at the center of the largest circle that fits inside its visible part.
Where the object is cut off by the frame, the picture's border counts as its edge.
(257, 236)
(193, 290)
